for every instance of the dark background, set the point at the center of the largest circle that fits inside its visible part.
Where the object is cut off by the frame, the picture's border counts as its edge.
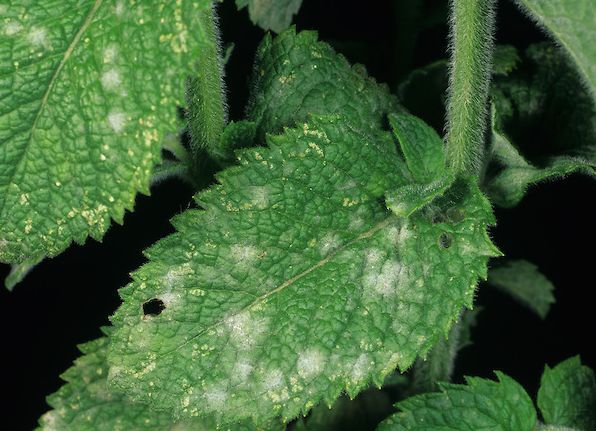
(65, 300)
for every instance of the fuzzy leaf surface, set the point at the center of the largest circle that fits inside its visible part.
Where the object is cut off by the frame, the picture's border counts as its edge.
(544, 125)
(88, 90)
(525, 283)
(567, 395)
(273, 15)
(296, 75)
(481, 404)
(571, 22)
(295, 282)
(84, 403)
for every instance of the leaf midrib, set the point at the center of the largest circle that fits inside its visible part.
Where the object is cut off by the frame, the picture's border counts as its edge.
(366, 234)
(44, 100)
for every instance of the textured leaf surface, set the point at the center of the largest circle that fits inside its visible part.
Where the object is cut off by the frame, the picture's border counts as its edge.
(567, 395)
(295, 75)
(89, 88)
(480, 405)
(571, 22)
(295, 282)
(522, 280)
(273, 15)
(84, 403)
(542, 108)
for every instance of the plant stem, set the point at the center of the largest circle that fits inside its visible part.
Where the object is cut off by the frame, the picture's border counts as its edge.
(207, 110)
(471, 47)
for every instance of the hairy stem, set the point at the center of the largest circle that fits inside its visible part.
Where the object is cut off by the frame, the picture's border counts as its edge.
(207, 110)
(471, 46)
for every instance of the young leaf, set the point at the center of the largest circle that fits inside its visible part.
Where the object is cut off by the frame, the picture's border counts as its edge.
(84, 403)
(295, 75)
(522, 280)
(481, 404)
(567, 395)
(571, 23)
(89, 89)
(541, 105)
(295, 283)
(273, 15)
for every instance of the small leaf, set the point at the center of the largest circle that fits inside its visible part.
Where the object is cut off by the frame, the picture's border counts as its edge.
(18, 272)
(273, 15)
(405, 200)
(567, 395)
(571, 23)
(481, 404)
(295, 75)
(89, 90)
(522, 280)
(84, 403)
(539, 106)
(295, 283)
(422, 147)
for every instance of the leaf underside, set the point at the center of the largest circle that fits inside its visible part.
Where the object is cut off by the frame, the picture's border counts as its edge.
(572, 25)
(89, 89)
(481, 404)
(273, 15)
(544, 126)
(295, 283)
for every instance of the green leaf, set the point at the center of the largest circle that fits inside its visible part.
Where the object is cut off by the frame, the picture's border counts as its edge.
(295, 283)
(273, 15)
(571, 22)
(522, 280)
(567, 395)
(295, 75)
(421, 146)
(84, 403)
(18, 272)
(540, 109)
(89, 89)
(481, 404)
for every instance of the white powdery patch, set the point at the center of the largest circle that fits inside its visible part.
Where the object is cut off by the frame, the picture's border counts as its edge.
(397, 235)
(12, 28)
(373, 256)
(273, 380)
(117, 121)
(170, 299)
(356, 222)
(119, 8)
(310, 363)
(110, 54)
(242, 370)
(111, 79)
(245, 330)
(360, 368)
(385, 282)
(38, 37)
(215, 397)
(260, 197)
(244, 253)
(329, 243)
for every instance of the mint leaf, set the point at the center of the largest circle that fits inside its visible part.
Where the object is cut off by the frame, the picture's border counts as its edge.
(295, 75)
(84, 403)
(541, 105)
(522, 280)
(567, 395)
(572, 25)
(480, 404)
(89, 89)
(273, 15)
(295, 283)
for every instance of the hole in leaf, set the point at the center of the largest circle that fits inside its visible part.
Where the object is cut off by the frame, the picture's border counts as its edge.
(445, 240)
(153, 307)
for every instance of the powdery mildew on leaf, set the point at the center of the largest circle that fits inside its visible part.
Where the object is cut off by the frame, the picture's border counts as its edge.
(84, 403)
(287, 302)
(86, 102)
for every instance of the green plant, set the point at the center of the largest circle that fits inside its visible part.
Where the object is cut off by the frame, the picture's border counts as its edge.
(344, 240)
